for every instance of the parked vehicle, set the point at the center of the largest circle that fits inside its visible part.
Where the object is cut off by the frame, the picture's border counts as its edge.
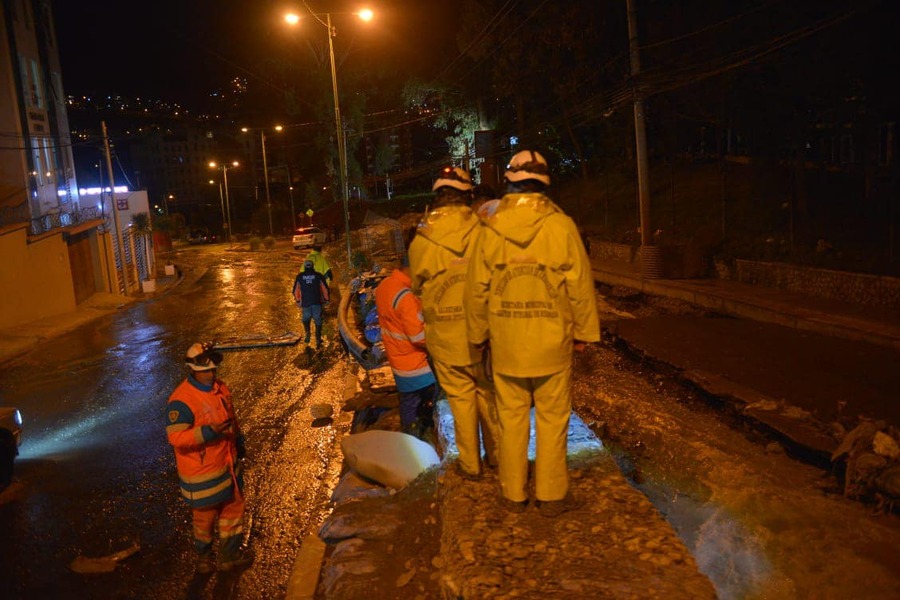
(10, 438)
(201, 236)
(305, 237)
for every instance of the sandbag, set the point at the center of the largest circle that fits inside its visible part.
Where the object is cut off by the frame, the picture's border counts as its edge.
(389, 457)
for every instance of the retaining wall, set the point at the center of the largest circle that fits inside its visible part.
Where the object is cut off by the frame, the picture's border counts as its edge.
(856, 288)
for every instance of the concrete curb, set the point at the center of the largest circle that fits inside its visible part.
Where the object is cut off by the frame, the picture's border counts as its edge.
(305, 575)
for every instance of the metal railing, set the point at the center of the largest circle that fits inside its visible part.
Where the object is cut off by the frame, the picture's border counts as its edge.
(57, 219)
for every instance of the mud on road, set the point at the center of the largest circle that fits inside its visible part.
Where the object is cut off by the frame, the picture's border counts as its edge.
(759, 523)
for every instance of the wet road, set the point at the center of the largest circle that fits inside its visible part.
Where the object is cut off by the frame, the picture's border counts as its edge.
(97, 473)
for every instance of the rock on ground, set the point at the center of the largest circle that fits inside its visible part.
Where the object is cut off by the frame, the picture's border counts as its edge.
(614, 545)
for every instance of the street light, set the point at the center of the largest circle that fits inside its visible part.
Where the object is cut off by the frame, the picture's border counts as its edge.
(214, 165)
(365, 15)
(262, 139)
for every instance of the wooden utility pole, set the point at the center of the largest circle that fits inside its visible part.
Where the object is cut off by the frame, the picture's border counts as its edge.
(651, 260)
(115, 210)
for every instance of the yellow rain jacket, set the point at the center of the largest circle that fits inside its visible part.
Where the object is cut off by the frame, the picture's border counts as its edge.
(438, 261)
(320, 264)
(529, 288)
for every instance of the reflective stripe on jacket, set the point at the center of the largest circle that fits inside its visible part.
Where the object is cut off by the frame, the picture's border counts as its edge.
(206, 462)
(438, 260)
(530, 289)
(403, 332)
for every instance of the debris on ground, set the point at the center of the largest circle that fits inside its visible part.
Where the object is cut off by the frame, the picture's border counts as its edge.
(103, 564)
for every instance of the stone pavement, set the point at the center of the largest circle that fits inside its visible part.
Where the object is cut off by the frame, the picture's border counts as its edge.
(798, 366)
(612, 540)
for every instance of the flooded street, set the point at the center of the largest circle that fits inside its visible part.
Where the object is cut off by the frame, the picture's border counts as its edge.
(96, 472)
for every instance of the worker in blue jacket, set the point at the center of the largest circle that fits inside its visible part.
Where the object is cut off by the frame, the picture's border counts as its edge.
(310, 293)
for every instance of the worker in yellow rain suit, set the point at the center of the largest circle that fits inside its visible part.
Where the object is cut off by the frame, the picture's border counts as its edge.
(320, 263)
(530, 295)
(438, 260)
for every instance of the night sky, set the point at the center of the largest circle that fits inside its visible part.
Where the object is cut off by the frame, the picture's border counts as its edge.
(179, 50)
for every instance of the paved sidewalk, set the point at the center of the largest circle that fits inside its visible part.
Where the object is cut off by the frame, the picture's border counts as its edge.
(18, 340)
(807, 313)
(796, 365)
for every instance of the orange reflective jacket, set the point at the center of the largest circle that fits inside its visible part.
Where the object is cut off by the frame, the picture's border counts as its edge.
(206, 461)
(403, 332)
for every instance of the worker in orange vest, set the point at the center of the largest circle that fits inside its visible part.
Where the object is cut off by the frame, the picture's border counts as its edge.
(203, 430)
(403, 335)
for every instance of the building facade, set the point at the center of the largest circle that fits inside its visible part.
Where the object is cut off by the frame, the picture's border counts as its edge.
(53, 248)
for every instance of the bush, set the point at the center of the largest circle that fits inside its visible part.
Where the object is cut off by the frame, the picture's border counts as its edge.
(255, 242)
(269, 242)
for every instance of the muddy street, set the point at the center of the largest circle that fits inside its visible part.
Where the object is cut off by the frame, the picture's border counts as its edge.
(96, 474)
(760, 523)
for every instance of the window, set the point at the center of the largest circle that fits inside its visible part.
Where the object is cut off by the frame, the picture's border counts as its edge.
(37, 85)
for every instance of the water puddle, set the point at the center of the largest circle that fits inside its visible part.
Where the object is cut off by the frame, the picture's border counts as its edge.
(729, 554)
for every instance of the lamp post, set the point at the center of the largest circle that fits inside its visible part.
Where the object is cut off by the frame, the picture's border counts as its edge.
(262, 141)
(225, 227)
(224, 168)
(365, 15)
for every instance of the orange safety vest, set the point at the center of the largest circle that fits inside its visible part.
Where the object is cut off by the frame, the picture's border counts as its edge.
(207, 463)
(403, 332)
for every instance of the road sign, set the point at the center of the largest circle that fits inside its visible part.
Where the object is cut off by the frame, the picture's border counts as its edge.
(309, 212)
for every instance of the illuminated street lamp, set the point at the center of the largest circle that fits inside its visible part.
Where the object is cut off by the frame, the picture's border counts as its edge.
(365, 15)
(224, 168)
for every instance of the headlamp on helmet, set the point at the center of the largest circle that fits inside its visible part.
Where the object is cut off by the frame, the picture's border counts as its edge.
(453, 177)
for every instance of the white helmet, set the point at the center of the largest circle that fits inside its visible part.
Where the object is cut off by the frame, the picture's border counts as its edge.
(528, 164)
(202, 357)
(453, 177)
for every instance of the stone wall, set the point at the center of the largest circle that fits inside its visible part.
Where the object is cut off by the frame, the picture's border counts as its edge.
(612, 251)
(858, 288)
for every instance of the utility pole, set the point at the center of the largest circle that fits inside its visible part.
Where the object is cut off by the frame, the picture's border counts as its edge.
(227, 201)
(266, 176)
(114, 208)
(291, 196)
(651, 259)
(225, 225)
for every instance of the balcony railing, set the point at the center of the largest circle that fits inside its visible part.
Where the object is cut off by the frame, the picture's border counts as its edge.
(58, 219)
